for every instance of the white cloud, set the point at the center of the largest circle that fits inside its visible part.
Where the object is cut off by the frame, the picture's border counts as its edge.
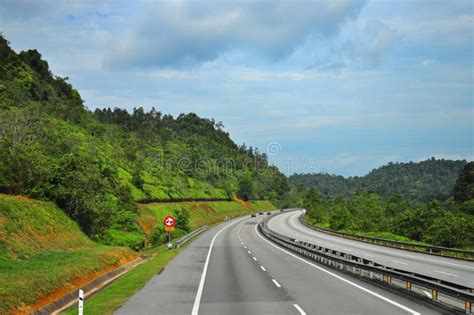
(177, 34)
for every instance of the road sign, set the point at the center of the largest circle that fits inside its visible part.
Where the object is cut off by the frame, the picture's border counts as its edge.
(169, 221)
(169, 228)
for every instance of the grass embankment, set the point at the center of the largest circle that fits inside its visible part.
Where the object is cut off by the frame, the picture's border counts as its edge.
(202, 213)
(44, 254)
(110, 298)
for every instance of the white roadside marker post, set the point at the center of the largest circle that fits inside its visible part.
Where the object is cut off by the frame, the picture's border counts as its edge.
(81, 302)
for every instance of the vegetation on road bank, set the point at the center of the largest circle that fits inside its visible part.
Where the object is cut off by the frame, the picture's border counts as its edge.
(44, 254)
(449, 223)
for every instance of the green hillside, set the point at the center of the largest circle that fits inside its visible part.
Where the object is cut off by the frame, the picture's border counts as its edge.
(423, 181)
(43, 251)
(97, 165)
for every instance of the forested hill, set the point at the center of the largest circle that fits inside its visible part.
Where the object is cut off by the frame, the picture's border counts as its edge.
(97, 165)
(423, 181)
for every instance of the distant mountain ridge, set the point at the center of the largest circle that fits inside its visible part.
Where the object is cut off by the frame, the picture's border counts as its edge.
(416, 181)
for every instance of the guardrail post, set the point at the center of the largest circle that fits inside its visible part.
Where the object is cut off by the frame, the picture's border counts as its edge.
(408, 285)
(434, 294)
(468, 304)
(371, 274)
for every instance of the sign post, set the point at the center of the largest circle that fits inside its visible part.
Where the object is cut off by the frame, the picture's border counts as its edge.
(80, 306)
(169, 223)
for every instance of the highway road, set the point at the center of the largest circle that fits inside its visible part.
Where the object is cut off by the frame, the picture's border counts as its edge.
(448, 269)
(232, 269)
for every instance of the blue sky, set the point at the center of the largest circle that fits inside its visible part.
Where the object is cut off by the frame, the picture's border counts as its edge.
(333, 86)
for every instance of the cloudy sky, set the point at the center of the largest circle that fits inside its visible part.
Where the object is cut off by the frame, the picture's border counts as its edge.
(334, 86)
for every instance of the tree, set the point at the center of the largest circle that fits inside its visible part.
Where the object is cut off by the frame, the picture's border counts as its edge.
(464, 188)
(182, 219)
(245, 188)
(452, 229)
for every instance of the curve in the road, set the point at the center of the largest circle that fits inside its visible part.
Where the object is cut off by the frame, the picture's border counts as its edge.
(232, 269)
(447, 269)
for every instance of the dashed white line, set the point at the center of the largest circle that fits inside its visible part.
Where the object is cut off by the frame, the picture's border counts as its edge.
(245, 247)
(446, 273)
(249, 252)
(339, 277)
(254, 258)
(399, 262)
(263, 268)
(276, 283)
(299, 309)
(197, 300)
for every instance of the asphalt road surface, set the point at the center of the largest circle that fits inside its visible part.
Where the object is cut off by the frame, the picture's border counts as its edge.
(448, 269)
(232, 269)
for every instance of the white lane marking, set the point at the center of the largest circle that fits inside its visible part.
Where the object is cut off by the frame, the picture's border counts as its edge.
(197, 300)
(377, 249)
(245, 247)
(276, 283)
(249, 252)
(339, 277)
(299, 309)
(427, 294)
(368, 255)
(254, 258)
(263, 268)
(446, 273)
(241, 243)
(399, 262)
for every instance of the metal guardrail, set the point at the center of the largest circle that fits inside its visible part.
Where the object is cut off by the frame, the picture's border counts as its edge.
(189, 236)
(358, 265)
(428, 249)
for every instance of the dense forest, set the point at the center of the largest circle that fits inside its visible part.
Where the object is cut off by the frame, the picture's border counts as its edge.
(423, 181)
(97, 165)
(446, 223)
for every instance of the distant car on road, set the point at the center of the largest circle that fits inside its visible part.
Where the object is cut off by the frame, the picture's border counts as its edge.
(269, 213)
(261, 213)
(253, 215)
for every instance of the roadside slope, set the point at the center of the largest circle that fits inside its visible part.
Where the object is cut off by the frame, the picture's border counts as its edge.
(44, 254)
(205, 212)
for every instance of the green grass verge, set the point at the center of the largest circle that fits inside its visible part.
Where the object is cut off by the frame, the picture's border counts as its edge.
(113, 296)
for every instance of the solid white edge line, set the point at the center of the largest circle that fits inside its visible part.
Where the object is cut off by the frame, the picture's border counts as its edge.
(197, 300)
(276, 283)
(339, 277)
(299, 309)
(263, 268)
